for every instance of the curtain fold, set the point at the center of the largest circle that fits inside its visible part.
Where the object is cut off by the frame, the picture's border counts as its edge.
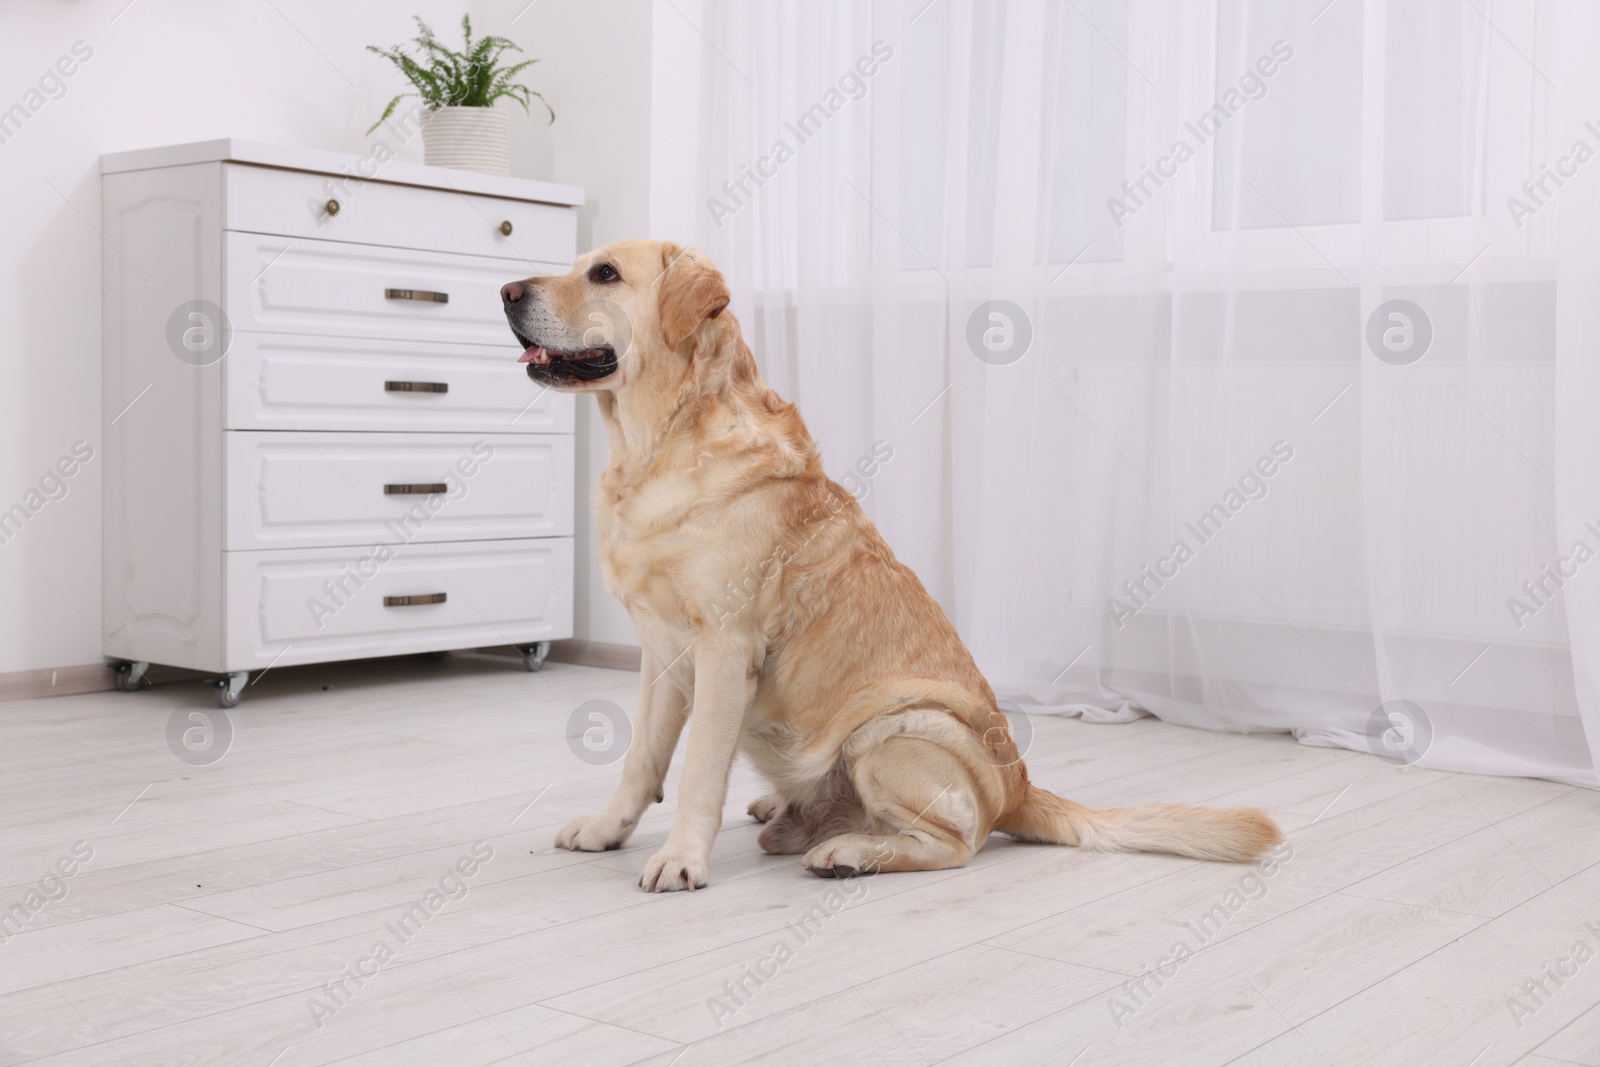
(1232, 361)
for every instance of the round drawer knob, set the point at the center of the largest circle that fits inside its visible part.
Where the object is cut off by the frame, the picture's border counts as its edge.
(331, 207)
(505, 227)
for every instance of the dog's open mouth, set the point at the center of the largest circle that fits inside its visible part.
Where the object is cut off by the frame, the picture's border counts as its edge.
(550, 366)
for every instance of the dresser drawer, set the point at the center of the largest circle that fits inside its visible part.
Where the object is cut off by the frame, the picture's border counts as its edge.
(309, 605)
(293, 203)
(278, 285)
(290, 382)
(366, 489)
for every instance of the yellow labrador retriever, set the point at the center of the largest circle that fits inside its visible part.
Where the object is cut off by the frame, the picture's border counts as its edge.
(769, 607)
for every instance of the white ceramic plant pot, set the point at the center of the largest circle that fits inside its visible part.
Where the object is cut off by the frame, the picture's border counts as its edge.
(467, 138)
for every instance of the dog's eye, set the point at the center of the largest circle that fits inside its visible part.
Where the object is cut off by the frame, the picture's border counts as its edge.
(604, 272)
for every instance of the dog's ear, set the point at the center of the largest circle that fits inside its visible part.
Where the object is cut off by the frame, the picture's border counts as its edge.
(692, 290)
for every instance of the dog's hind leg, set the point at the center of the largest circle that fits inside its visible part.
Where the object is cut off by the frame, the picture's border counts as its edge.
(785, 835)
(921, 807)
(785, 831)
(832, 809)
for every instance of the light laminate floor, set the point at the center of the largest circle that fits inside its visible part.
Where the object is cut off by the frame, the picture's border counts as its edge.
(221, 903)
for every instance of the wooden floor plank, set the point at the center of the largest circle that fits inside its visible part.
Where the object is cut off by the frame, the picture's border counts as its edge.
(1464, 999)
(1577, 1042)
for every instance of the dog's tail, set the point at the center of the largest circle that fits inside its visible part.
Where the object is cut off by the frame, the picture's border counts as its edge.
(1234, 835)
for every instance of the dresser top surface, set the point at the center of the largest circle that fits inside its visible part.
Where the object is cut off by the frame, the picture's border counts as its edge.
(341, 165)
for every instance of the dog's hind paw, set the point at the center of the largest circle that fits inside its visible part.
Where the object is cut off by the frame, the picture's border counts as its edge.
(762, 809)
(849, 855)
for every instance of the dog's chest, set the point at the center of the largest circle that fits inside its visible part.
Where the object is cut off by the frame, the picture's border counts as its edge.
(772, 744)
(645, 551)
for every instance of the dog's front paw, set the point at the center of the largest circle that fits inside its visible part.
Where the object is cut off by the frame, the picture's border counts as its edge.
(672, 869)
(591, 833)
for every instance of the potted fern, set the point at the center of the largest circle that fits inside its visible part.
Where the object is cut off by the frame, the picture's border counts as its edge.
(461, 127)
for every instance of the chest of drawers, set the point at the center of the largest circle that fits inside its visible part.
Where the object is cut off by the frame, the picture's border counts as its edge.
(319, 444)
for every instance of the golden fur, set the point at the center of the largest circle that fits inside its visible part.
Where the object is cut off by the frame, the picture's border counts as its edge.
(768, 605)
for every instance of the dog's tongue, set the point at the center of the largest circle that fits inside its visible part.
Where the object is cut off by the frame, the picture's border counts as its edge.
(536, 354)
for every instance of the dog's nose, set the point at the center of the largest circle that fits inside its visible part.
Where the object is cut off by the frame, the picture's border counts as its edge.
(511, 292)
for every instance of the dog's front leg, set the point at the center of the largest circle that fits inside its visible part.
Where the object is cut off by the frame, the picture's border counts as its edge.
(663, 706)
(724, 683)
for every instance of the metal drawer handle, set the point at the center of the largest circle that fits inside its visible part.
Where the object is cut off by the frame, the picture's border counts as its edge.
(416, 294)
(414, 488)
(416, 387)
(505, 228)
(411, 601)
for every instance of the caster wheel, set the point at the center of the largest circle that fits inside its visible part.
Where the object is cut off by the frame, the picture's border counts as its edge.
(231, 688)
(533, 656)
(130, 676)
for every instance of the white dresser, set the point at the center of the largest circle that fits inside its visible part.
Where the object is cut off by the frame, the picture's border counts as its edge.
(319, 443)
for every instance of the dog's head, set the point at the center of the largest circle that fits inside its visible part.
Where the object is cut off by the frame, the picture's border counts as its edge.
(625, 314)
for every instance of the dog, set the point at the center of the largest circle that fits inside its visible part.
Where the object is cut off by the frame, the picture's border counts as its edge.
(769, 608)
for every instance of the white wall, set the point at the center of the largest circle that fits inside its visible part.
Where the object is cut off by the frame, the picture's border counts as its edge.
(677, 191)
(290, 72)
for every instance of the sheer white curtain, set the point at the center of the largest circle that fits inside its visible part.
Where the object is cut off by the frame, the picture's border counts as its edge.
(1228, 481)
